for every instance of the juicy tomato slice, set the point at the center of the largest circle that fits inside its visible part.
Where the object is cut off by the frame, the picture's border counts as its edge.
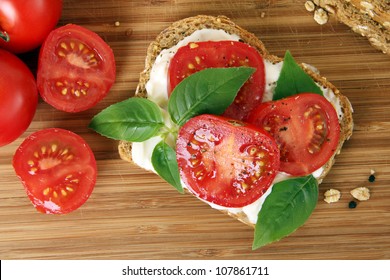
(201, 55)
(306, 128)
(76, 69)
(57, 168)
(224, 161)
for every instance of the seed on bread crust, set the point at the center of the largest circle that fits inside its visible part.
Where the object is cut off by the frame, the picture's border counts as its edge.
(321, 16)
(310, 7)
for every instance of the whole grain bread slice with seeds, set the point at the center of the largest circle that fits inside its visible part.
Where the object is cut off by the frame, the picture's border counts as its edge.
(369, 18)
(185, 27)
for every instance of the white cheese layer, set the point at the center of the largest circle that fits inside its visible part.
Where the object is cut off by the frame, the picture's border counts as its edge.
(157, 92)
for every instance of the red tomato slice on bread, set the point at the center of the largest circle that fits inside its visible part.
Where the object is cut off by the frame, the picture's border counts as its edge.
(226, 162)
(57, 168)
(306, 128)
(76, 68)
(201, 55)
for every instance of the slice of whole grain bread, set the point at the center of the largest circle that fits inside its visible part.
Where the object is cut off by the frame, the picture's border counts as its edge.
(369, 18)
(185, 27)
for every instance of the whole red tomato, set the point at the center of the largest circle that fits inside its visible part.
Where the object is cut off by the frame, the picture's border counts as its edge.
(18, 97)
(25, 24)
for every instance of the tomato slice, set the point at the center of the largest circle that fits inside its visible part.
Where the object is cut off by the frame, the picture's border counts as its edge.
(76, 69)
(226, 162)
(57, 168)
(201, 55)
(306, 128)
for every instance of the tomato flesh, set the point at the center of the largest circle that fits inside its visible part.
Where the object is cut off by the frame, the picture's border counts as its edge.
(226, 162)
(76, 69)
(57, 168)
(201, 55)
(306, 128)
(18, 97)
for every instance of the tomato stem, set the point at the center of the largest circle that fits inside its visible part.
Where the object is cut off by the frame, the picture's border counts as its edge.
(4, 36)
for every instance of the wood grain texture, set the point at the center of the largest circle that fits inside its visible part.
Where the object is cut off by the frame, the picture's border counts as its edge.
(133, 214)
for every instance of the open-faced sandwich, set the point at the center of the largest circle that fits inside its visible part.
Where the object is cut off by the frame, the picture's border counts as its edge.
(217, 116)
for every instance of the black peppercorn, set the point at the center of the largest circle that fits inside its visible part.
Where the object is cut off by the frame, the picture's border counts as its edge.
(371, 178)
(352, 204)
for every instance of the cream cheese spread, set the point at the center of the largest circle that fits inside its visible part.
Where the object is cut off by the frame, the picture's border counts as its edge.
(157, 92)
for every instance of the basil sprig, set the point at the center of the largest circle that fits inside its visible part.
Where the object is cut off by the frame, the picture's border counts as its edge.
(209, 91)
(288, 206)
(135, 120)
(165, 163)
(293, 80)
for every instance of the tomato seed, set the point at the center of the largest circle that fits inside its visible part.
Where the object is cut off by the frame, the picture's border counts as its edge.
(61, 54)
(252, 151)
(46, 191)
(64, 46)
(33, 170)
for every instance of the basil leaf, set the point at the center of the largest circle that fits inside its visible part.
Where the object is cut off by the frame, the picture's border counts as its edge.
(208, 91)
(135, 120)
(287, 207)
(293, 80)
(165, 163)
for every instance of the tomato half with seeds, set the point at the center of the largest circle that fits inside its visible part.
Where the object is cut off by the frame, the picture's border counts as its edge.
(57, 169)
(224, 161)
(76, 68)
(201, 55)
(306, 128)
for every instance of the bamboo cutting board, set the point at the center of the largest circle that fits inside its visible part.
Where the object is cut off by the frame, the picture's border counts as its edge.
(133, 214)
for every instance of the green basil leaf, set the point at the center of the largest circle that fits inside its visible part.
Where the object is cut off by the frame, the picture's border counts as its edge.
(135, 120)
(288, 206)
(209, 91)
(293, 80)
(165, 163)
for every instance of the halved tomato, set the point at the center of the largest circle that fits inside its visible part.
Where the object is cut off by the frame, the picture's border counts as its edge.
(201, 55)
(57, 168)
(76, 68)
(306, 128)
(224, 161)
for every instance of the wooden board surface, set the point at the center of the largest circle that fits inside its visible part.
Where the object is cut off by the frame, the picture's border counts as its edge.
(133, 214)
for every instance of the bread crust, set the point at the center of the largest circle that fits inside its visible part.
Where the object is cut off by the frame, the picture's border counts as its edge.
(185, 27)
(369, 18)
